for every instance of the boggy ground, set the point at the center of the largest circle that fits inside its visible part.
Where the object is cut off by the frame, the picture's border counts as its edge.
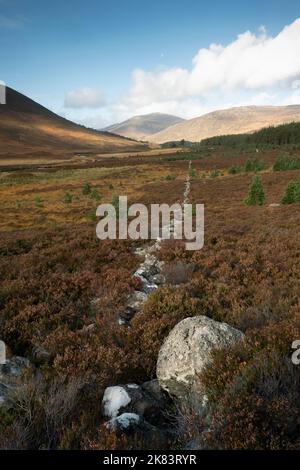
(52, 266)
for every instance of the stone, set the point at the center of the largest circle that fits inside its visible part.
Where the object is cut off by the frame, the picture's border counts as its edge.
(146, 286)
(147, 401)
(136, 299)
(159, 279)
(148, 268)
(131, 423)
(11, 376)
(40, 354)
(187, 350)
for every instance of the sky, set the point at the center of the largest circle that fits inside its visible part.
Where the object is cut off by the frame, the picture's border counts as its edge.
(100, 62)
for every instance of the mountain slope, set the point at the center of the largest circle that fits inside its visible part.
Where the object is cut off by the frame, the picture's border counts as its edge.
(27, 128)
(140, 127)
(228, 121)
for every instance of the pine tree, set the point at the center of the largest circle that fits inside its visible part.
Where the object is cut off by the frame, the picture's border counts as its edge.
(289, 195)
(256, 195)
(292, 193)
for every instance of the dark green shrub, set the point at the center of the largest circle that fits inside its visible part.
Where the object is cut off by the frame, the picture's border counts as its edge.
(67, 199)
(92, 216)
(192, 173)
(234, 170)
(215, 174)
(95, 195)
(286, 162)
(253, 164)
(256, 195)
(115, 203)
(170, 177)
(38, 202)
(292, 193)
(87, 189)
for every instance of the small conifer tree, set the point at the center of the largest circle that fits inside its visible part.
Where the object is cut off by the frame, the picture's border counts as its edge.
(292, 193)
(256, 194)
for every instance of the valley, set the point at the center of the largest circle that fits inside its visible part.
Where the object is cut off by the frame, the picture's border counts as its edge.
(53, 268)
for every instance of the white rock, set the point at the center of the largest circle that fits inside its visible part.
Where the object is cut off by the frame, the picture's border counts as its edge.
(114, 398)
(133, 386)
(122, 321)
(187, 350)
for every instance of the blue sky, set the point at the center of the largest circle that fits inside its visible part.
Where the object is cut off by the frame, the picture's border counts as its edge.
(81, 58)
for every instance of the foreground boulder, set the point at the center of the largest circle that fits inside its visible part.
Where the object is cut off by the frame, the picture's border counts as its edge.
(187, 350)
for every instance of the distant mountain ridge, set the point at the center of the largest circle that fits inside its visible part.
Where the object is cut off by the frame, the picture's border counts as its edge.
(235, 120)
(27, 128)
(140, 127)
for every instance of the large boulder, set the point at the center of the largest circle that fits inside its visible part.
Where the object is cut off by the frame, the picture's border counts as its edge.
(187, 350)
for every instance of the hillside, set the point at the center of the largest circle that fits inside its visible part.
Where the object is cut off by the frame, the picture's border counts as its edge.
(238, 120)
(28, 129)
(284, 134)
(140, 127)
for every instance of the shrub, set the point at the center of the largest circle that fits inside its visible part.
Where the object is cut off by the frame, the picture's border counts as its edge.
(257, 406)
(286, 162)
(192, 173)
(256, 195)
(215, 174)
(177, 272)
(234, 170)
(171, 177)
(292, 193)
(38, 202)
(92, 216)
(253, 164)
(67, 199)
(95, 195)
(115, 203)
(87, 189)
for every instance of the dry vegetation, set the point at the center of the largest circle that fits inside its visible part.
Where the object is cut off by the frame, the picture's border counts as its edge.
(52, 267)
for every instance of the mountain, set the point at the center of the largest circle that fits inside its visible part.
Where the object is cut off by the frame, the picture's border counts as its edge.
(237, 120)
(29, 129)
(140, 127)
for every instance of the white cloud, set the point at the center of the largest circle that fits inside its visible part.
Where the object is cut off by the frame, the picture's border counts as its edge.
(84, 98)
(254, 69)
(251, 65)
